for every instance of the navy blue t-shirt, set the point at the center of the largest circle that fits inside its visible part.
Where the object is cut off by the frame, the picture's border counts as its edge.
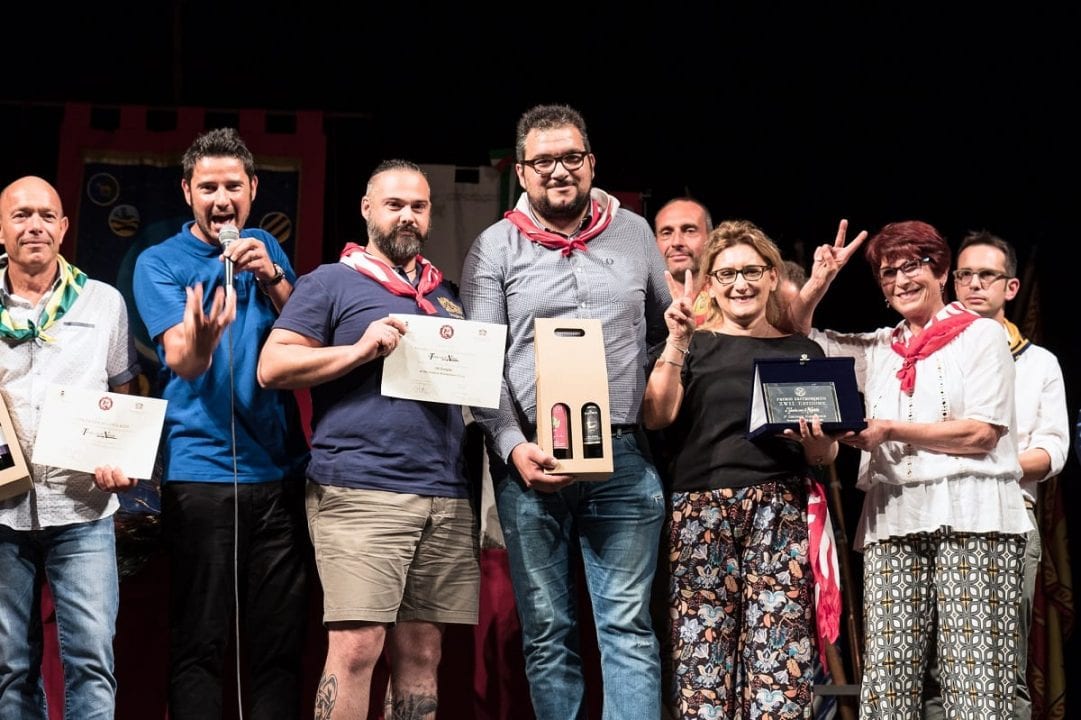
(360, 438)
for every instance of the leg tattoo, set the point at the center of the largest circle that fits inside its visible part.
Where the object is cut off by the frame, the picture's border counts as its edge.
(414, 707)
(325, 697)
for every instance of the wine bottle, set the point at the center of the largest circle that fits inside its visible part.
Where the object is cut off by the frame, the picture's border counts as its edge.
(561, 431)
(592, 441)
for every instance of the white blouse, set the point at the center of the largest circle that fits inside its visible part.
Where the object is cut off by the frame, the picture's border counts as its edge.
(912, 490)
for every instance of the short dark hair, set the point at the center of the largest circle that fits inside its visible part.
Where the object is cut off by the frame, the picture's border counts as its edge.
(393, 164)
(693, 201)
(793, 272)
(548, 117)
(982, 237)
(220, 142)
(905, 240)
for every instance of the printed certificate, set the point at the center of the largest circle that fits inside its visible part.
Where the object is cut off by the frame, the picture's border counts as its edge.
(459, 362)
(83, 429)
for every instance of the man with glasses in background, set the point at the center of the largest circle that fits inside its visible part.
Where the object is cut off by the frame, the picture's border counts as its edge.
(985, 280)
(569, 250)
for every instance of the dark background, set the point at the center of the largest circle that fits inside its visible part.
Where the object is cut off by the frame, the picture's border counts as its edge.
(791, 115)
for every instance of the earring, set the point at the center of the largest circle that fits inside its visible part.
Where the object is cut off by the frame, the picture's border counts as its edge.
(887, 300)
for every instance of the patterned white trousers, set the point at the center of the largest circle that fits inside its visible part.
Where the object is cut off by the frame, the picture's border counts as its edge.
(964, 587)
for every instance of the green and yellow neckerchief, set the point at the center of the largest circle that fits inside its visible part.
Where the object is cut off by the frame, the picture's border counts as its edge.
(68, 287)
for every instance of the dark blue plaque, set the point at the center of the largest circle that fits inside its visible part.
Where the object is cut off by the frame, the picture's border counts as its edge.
(786, 389)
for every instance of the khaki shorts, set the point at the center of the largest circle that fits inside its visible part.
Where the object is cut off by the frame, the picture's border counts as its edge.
(386, 557)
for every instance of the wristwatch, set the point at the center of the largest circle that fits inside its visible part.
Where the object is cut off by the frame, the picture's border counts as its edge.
(279, 275)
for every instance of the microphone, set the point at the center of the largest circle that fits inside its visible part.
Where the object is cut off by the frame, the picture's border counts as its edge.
(228, 235)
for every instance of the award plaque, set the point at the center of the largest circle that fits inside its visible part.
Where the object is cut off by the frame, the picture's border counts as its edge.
(787, 389)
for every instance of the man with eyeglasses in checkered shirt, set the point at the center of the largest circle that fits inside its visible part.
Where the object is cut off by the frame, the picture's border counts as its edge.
(569, 250)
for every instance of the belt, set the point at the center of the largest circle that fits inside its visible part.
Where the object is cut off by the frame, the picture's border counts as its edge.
(621, 430)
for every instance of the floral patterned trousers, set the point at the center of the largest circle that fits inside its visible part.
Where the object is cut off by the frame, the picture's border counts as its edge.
(742, 603)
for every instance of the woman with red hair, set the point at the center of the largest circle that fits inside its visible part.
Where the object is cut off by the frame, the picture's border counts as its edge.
(943, 525)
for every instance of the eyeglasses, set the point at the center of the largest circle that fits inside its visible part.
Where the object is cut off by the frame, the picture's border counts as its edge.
(911, 268)
(750, 273)
(964, 276)
(547, 165)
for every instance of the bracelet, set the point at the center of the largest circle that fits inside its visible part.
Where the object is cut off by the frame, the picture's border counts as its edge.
(684, 350)
(663, 359)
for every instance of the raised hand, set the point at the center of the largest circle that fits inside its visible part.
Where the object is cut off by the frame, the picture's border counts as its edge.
(829, 259)
(203, 331)
(679, 317)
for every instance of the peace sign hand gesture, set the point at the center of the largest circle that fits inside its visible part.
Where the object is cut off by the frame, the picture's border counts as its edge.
(829, 259)
(679, 317)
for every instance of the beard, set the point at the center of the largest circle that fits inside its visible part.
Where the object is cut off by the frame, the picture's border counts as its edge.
(568, 211)
(399, 244)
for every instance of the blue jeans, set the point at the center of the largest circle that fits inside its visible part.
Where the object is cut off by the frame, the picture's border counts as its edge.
(616, 523)
(79, 563)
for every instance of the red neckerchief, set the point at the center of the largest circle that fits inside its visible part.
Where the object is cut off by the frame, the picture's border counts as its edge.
(602, 208)
(936, 335)
(356, 257)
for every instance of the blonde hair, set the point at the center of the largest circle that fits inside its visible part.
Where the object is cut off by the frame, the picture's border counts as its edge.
(731, 233)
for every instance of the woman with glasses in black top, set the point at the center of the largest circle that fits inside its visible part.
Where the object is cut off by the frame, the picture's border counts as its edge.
(742, 586)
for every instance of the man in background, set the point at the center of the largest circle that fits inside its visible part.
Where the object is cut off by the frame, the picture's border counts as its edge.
(682, 227)
(985, 280)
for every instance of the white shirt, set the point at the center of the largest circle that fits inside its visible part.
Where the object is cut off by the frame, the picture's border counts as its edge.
(912, 490)
(92, 348)
(1042, 419)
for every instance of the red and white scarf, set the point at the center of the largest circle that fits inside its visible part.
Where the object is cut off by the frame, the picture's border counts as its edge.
(822, 548)
(356, 257)
(937, 334)
(602, 208)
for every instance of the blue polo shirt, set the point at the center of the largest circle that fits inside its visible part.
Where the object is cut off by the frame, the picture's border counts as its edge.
(199, 418)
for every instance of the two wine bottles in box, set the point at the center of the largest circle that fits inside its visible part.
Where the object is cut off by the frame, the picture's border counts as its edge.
(589, 424)
(573, 416)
